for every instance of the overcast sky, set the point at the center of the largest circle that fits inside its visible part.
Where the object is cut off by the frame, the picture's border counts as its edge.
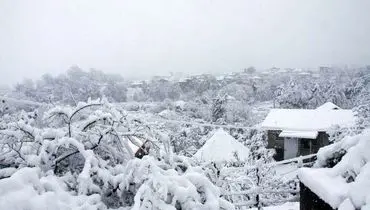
(141, 38)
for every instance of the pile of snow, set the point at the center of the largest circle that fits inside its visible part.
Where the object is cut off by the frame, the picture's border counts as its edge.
(222, 147)
(27, 189)
(347, 184)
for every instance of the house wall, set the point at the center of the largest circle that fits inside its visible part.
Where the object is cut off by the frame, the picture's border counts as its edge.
(305, 146)
(310, 201)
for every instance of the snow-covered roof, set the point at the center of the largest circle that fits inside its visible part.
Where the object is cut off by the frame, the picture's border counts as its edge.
(222, 147)
(331, 184)
(328, 106)
(307, 119)
(299, 134)
(332, 190)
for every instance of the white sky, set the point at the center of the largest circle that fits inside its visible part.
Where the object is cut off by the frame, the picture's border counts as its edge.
(142, 38)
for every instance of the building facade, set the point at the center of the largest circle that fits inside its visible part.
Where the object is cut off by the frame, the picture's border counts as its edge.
(290, 147)
(299, 132)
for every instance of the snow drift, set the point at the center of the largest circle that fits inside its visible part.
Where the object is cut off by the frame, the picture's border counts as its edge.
(222, 147)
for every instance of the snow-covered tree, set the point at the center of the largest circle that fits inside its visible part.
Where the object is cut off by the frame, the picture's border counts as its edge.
(218, 108)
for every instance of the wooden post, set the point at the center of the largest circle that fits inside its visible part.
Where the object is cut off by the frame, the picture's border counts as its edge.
(258, 202)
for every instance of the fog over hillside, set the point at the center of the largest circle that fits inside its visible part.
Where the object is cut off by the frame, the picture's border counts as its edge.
(146, 38)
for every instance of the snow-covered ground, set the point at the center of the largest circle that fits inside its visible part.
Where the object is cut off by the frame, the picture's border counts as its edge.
(286, 206)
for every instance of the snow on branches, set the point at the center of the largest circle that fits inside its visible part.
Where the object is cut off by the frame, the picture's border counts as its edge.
(81, 158)
(156, 186)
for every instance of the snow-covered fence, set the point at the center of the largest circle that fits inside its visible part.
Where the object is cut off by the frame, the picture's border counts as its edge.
(301, 160)
(256, 194)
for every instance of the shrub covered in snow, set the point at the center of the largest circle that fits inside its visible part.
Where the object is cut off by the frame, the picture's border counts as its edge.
(155, 184)
(30, 188)
(80, 158)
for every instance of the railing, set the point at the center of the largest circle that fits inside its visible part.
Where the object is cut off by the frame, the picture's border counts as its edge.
(255, 193)
(301, 160)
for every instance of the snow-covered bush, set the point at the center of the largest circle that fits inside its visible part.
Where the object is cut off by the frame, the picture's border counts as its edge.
(187, 140)
(253, 180)
(153, 184)
(80, 157)
(82, 140)
(256, 141)
(250, 175)
(29, 188)
(330, 155)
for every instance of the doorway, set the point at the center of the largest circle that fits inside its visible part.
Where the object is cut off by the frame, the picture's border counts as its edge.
(290, 148)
